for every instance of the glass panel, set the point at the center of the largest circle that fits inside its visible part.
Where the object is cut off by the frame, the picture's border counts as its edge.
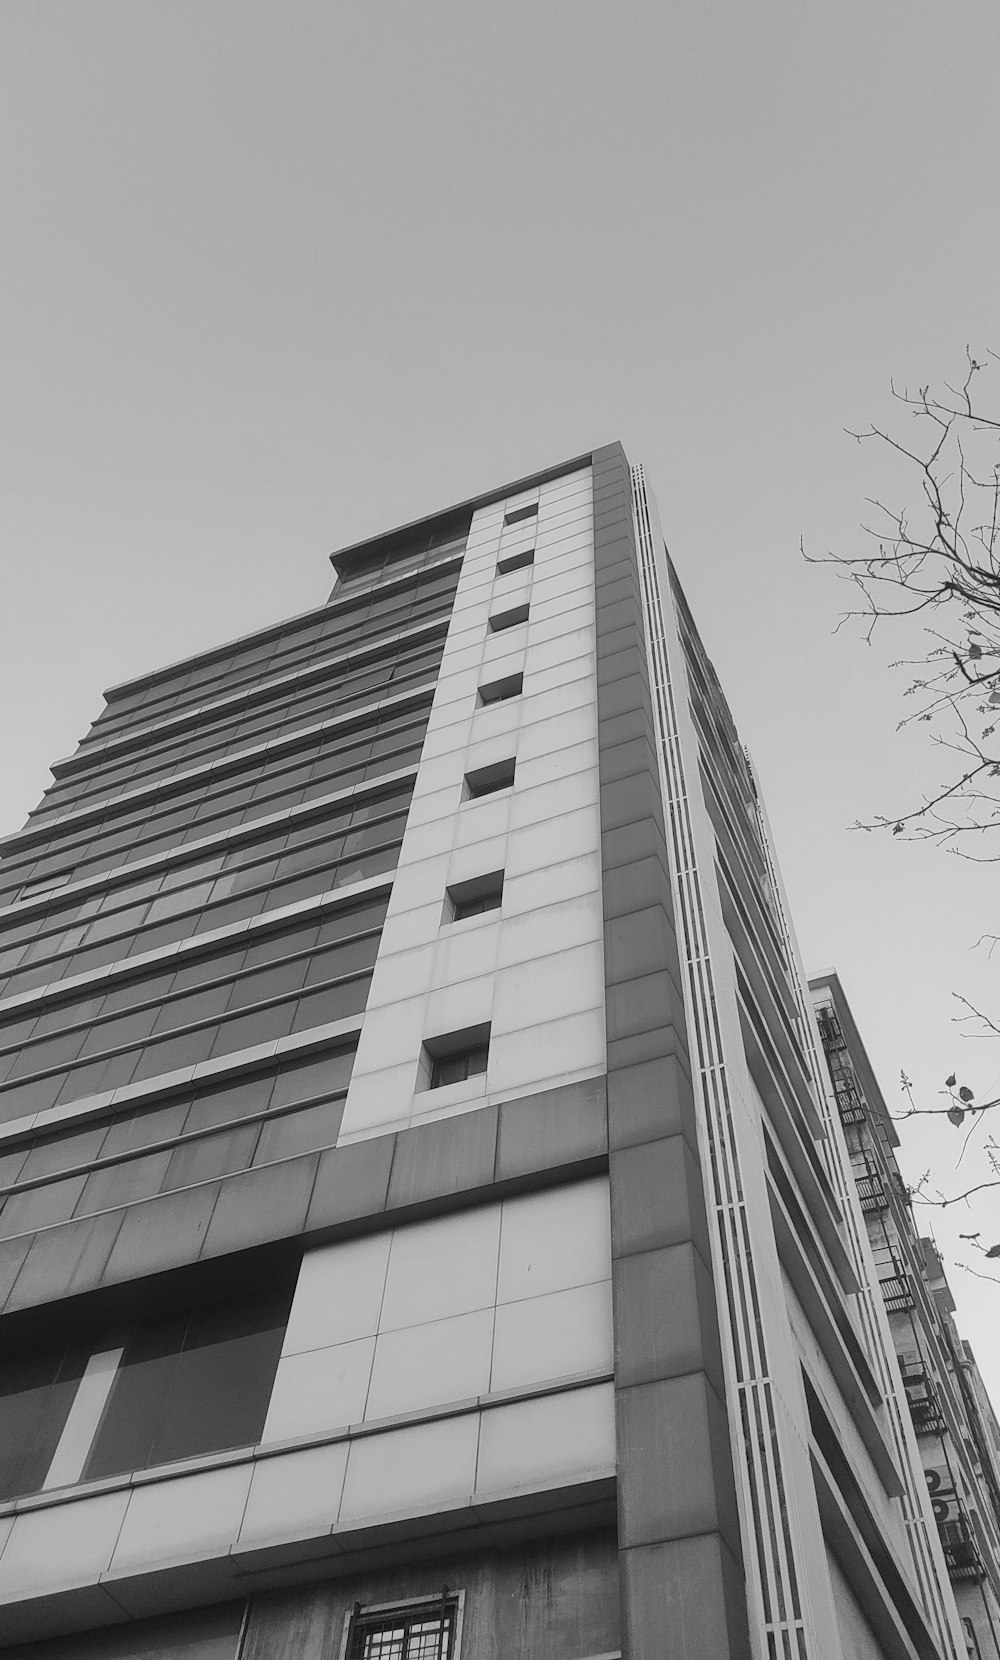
(137, 991)
(136, 1403)
(304, 1131)
(205, 1157)
(115, 1034)
(40, 1207)
(141, 1128)
(340, 924)
(172, 1053)
(342, 959)
(334, 1003)
(268, 983)
(36, 1393)
(223, 1384)
(320, 1075)
(196, 1005)
(209, 968)
(230, 1102)
(193, 1383)
(273, 946)
(62, 1152)
(120, 1184)
(261, 1026)
(53, 1052)
(27, 1098)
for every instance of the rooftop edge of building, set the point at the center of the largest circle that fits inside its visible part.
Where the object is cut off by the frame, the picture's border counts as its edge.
(343, 559)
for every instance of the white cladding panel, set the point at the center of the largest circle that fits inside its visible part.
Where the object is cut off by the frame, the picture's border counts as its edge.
(509, 1294)
(514, 1295)
(534, 970)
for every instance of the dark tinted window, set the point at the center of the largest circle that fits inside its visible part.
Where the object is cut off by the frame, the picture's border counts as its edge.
(36, 1393)
(192, 1383)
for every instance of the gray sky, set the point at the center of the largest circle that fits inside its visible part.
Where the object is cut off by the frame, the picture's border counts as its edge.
(279, 275)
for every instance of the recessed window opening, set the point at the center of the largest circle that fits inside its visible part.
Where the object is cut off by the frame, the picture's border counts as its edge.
(515, 561)
(498, 691)
(508, 619)
(473, 898)
(516, 514)
(456, 1057)
(488, 780)
(426, 1629)
(192, 1381)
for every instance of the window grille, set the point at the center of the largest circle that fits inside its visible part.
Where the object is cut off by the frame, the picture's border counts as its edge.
(420, 1631)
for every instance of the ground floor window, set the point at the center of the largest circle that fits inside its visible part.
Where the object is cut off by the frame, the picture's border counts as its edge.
(426, 1629)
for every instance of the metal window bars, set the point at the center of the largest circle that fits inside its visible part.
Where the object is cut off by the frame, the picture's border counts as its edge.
(418, 1631)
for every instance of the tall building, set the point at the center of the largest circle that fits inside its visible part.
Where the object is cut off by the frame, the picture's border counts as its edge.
(953, 1419)
(429, 1231)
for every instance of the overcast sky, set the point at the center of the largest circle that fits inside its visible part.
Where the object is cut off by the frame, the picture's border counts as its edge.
(279, 275)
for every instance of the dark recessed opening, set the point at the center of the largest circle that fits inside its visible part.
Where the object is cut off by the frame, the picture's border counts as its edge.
(457, 1056)
(508, 619)
(487, 780)
(515, 561)
(516, 514)
(472, 898)
(497, 691)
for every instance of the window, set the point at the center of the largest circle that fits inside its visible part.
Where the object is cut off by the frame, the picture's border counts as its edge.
(472, 898)
(423, 1630)
(193, 1381)
(508, 619)
(458, 1056)
(487, 780)
(497, 691)
(516, 561)
(516, 514)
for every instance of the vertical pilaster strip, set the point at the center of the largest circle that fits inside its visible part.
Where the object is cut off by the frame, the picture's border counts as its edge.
(679, 1542)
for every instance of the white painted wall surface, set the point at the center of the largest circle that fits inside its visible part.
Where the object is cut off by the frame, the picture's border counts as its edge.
(534, 971)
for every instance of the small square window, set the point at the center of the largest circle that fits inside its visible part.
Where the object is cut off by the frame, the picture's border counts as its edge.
(508, 619)
(487, 780)
(455, 1057)
(516, 514)
(497, 691)
(456, 1069)
(422, 1630)
(515, 561)
(473, 898)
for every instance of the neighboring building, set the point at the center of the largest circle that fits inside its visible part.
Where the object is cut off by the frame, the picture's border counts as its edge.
(428, 1232)
(957, 1432)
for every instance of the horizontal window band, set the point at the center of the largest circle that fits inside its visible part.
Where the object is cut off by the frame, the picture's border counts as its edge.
(249, 893)
(195, 945)
(164, 1000)
(347, 1432)
(415, 695)
(313, 735)
(224, 745)
(143, 1048)
(255, 829)
(266, 1115)
(235, 735)
(227, 1068)
(341, 605)
(249, 696)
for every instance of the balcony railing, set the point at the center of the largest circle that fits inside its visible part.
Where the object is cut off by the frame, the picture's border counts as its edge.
(922, 1400)
(871, 1192)
(961, 1553)
(896, 1293)
(849, 1104)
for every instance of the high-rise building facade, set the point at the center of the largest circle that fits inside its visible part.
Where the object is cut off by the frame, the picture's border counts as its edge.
(428, 1231)
(954, 1422)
